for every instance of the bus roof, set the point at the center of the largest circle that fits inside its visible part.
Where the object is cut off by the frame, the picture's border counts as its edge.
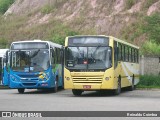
(116, 39)
(124, 42)
(3, 52)
(37, 40)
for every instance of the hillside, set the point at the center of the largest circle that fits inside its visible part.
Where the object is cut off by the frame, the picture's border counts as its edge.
(55, 19)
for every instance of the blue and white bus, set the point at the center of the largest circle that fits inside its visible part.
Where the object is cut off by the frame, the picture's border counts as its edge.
(35, 65)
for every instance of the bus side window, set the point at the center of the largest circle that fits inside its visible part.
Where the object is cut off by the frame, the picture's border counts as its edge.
(137, 56)
(119, 52)
(115, 54)
(134, 55)
(53, 57)
(124, 49)
(126, 53)
(61, 56)
(130, 54)
(122, 52)
(57, 55)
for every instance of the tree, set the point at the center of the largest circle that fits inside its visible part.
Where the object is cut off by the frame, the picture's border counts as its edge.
(152, 27)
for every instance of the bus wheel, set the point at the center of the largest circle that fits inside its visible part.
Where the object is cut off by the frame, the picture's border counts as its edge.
(132, 87)
(56, 86)
(118, 90)
(21, 90)
(77, 92)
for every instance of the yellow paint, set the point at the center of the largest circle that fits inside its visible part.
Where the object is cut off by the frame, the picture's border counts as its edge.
(97, 80)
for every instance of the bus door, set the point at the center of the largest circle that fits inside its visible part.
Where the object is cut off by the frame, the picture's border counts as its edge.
(1, 70)
(5, 70)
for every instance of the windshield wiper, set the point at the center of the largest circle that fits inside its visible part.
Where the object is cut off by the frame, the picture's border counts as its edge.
(35, 53)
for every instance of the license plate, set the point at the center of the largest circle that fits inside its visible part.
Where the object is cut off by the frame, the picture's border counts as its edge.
(87, 86)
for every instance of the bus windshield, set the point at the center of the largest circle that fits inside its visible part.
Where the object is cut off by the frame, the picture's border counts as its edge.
(30, 60)
(90, 58)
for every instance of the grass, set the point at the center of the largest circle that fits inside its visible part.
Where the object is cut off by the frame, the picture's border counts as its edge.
(47, 9)
(10, 29)
(130, 3)
(149, 81)
(148, 3)
(17, 29)
(150, 48)
(4, 5)
(3, 87)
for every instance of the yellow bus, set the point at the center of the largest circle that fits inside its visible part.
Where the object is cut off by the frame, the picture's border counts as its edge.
(100, 63)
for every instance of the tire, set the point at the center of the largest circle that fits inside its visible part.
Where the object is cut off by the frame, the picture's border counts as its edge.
(77, 92)
(118, 90)
(21, 90)
(132, 87)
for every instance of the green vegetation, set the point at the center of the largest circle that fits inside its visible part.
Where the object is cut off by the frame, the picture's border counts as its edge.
(47, 9)
(3, 43)
(150, 48)
(52, 6)
(20, 29)
(4, 5)
(148, 3)
(152, 27)
(149, 81)
(149, 27)
(11, 30)
(58, 38)
(130, 3)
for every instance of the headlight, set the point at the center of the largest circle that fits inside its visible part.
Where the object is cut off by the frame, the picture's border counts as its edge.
(67, 78)
(107, 78)
(13, 78)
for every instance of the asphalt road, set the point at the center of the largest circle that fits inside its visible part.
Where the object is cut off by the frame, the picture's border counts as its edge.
(64, 100)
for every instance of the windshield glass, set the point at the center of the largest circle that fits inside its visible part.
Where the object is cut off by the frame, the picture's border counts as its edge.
(88, 57)
(30, 61)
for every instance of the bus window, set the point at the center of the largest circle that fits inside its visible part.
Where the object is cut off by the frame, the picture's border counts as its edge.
(119, 52)
(90, 64)
(137, 56)
(115, 54)
(131, 54)
(123, 55)
(126, 53)
(52, 57)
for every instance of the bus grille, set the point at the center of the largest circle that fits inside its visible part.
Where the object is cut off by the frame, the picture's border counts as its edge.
(29, 84)
(87, 79)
